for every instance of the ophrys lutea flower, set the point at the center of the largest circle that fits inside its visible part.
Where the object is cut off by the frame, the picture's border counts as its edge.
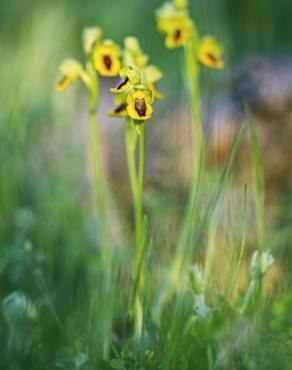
(210, 53)
(139, 103)
(106, 58)
(102, 56)
(138, 85)
(71, 71)
(130, 76)
(174, 21)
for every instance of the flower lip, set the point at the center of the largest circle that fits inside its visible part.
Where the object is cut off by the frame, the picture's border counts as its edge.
(106, 58)
(120, 108)
(140, 107)
(62, 84)
(177, 34)
(107, 62)
(212, 57)
(139, 103)
(210, 53)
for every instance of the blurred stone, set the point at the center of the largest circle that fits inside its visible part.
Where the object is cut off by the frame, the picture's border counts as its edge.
(266, 86)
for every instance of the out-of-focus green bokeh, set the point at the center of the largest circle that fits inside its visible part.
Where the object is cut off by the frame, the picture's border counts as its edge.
(49, 238)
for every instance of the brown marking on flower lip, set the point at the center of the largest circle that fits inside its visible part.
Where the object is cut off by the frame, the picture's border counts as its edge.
(140, 107)
(63, 81)
(177, 34)
(107, 62)
(211, 57)
(120, 108)
(122, 83)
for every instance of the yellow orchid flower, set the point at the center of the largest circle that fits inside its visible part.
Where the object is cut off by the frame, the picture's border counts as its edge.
(180, 34)
(130, 75)
(106, 58)
(175, 23)
(139, 103)
(137, 88)
(71, 70)
(210, 53)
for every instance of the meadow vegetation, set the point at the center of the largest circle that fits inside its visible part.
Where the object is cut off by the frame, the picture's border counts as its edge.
(99, 267)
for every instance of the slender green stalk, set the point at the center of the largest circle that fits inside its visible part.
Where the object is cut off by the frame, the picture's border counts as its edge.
(252, 297)
(140, 189)
(192, 70)
(131, 142)
(104, 327)
(99, 183)
(97, 163)
(137, 183)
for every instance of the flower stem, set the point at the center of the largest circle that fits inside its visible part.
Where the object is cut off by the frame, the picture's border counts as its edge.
(97, 164)
(192, 70)
(140, 188)
(131, 143)
(141, 232)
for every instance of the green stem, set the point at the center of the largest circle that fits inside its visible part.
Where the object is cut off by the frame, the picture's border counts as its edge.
(192, 213)
(131, 141)
(252, 297)
(97, 163)
(140, 244)
(140, 189)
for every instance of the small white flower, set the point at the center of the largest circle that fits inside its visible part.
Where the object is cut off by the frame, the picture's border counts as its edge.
(260, 263)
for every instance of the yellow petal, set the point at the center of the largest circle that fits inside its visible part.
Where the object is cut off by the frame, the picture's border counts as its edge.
(152, 73)
(210, 53)
(157, 94)
(178, 37)
(122, 85)
(71, 68)
(120, 111)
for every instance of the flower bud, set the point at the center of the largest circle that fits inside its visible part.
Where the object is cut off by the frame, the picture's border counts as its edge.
(260, 264)
(132, 44)
(153, 73)
(181, 4)
(132, 72)
(91, 35)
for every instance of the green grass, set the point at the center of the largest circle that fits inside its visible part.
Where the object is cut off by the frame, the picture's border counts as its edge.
(60, 308)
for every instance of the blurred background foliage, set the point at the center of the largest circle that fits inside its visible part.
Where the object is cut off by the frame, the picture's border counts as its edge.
(48, 228)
